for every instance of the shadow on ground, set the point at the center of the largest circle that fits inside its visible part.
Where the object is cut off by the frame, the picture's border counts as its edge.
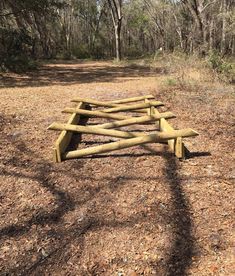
(181, 251)
(74, 73)
(178, 259)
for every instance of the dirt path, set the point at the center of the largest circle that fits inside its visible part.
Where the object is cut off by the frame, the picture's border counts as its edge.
(133, 212)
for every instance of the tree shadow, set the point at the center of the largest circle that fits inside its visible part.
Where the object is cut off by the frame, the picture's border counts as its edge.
(39, 171)
(125, 155)
(181, 251)
(73, 73)
(191, 155)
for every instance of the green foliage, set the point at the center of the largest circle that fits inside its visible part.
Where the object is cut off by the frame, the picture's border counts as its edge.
(20, 63)
(81, 51)
(15, 47)
(223, 68)
(171, 82)
(133, 52)
(37, 6)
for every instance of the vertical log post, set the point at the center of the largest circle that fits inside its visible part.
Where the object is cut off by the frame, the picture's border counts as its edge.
(176, 145)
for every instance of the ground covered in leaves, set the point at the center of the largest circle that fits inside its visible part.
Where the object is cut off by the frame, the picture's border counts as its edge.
(138, 211)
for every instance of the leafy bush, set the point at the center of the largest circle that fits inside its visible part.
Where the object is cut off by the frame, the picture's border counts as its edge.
(15, 48)
(220, 66)
(20, 63)
(81, 52)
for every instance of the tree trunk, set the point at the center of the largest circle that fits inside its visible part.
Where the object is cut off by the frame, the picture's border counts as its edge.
(118, 41)
(224, 23)
(116, 13)
(211, 39)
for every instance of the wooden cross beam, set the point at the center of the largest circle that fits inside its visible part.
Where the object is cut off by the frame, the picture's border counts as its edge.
(106, 132)
(113, 109)
(94, 113)
(112, 103)
(108, 104)
(131, 142)
(132, 107)
(133, 99)
(94, 130)
(137, 120)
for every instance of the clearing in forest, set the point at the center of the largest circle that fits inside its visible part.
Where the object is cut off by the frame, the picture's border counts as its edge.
(139, 211)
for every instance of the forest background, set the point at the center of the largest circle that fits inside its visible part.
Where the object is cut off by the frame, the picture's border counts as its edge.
(33, 30)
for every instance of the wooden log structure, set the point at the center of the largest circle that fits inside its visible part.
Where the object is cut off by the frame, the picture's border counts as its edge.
(166, 133)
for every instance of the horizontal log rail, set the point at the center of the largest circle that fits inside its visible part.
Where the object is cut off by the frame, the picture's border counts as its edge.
(127, 143)
(95, 102)
(137, 120)
(93, 113)
(126, 120)
(133, 99)
(112, 133)
(132, 107)
(105, 104)
(94, 130)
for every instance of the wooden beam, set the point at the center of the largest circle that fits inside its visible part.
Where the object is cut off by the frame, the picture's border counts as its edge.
(64, 138)
(114, 133)
(175, 145)
(177, 148)
(134, 99)
(127, 143)
(132, 107)
(93, 113)
(95, 130)
(94, 102)
(100, 114)
(136, 120)
(102, 103)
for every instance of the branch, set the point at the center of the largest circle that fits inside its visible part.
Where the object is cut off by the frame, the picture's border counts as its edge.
(12, 13)
(112, 12)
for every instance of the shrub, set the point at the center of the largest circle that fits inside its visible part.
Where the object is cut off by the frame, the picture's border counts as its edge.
(221, 67)
(15, 51)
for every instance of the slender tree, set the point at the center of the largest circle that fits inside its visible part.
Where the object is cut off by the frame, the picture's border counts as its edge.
(116, 13)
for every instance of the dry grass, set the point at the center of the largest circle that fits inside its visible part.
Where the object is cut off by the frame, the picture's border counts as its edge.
(182, 72)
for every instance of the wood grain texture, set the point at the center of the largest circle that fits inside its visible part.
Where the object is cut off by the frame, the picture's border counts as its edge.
(131, 142)
(175, 145)
(65, 137)
(136, 120)
(132, 107)
(94, 113)
(104, 104)
(133, 99)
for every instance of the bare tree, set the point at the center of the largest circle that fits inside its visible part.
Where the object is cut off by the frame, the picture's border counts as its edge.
(116, 13)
